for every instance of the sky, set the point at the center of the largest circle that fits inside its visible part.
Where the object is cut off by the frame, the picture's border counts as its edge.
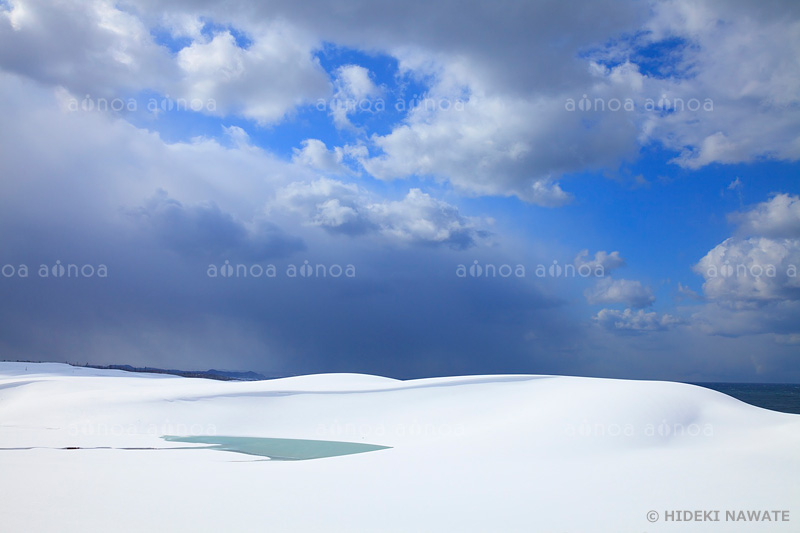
(599, 188)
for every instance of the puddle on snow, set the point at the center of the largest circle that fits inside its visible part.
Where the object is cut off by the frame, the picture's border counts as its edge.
(279, 449)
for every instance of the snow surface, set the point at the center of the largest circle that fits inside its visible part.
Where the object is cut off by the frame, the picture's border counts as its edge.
(477, 453)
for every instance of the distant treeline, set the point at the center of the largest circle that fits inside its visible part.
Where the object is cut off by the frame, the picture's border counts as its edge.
(222, 375)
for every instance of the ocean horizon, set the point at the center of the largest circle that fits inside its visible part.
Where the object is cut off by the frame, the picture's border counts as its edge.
(782, 397)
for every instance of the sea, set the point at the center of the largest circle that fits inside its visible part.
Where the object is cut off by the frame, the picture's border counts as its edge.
(775, 396)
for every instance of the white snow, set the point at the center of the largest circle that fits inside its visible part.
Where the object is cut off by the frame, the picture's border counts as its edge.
(477, 453)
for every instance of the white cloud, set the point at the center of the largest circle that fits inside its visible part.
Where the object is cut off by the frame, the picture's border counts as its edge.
(636, 321)
(316, 155)
(353, 90)
(346, 208)
(685, 292)
(98, 49)
(748, 98)
(497, 144)
(513, 137)
(760, 268)
(778, 217)
(752, 282)
(743, 57)
(420, 218)
(110, 165)
(92, 48)
(740, 271)
(603, 261)
(238, 137)
(514, 76)
(184, 25)
(736, 185)
(353, 81)
(611, 291)
(264, 82)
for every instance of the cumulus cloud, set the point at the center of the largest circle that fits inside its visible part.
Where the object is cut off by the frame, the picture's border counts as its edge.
(89, 47)
(513, 134)
(762, 267)
(739, 271)
(602, 261)
(754, 88)
(777, 217)
(610, 291)
(498, 145)
(346, 208)
(276, 73)
(636, 321)
(752, 282)
(712, 95)
(352, 89)
(315, 154)
(102, 50)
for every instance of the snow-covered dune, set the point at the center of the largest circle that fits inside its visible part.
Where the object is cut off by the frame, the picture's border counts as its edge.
(83, 450)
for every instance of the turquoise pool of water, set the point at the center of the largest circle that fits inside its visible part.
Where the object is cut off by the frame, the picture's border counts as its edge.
(279, 449)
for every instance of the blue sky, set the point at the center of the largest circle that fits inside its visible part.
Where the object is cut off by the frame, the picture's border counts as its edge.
(650, 144)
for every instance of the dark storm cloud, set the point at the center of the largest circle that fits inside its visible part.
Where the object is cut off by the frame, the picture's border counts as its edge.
(404, 312)
(208, 232)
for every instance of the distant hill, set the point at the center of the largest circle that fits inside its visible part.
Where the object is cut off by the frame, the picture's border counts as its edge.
(222, 375)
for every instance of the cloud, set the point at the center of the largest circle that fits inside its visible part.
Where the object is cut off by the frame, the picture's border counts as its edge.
(264, 82)
(346, 208)
(758, 269)
(777, 217)
(509, 72)
(714, 95)
(754, 88)
(685, 292)
(498, 80)
(776, 320)
(102, 50)
(736, 185)
(602, 261)
(486, 144)
(752, 282)
(94, 199)
(205, 231)
(636, 321)
(420, 218)
(316, 155)
(353, 87)
(91, 48)
(611, 291)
